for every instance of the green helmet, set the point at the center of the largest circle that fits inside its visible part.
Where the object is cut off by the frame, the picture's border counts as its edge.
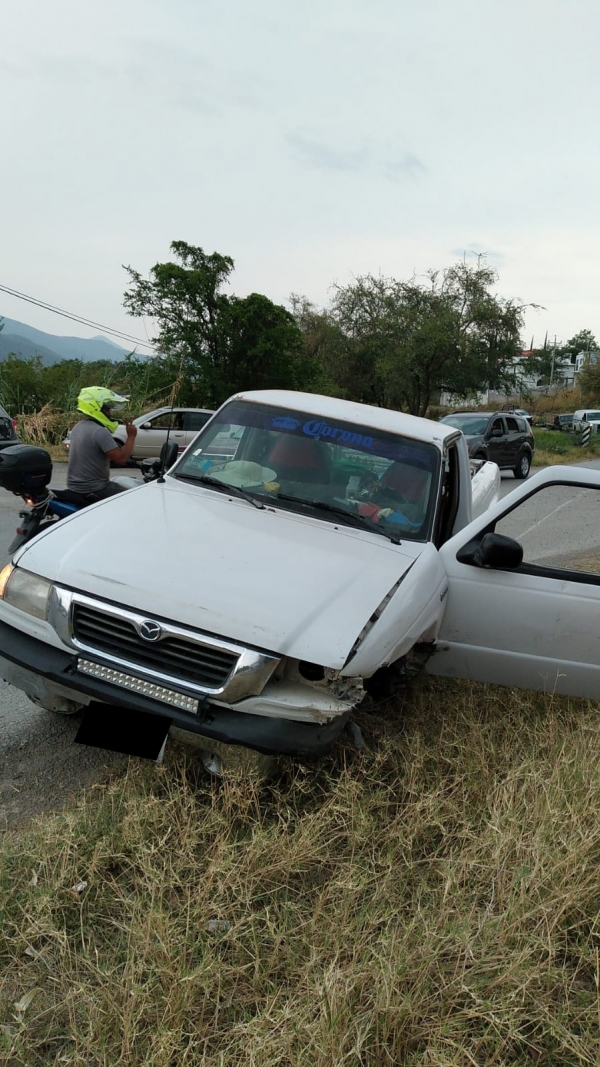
(93, 400)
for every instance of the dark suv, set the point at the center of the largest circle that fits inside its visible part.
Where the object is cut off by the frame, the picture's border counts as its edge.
(505, 439)
(8, 430)
(561, 422)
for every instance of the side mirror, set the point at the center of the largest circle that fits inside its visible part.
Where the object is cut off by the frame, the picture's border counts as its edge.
(494, 551)
(168, 454)
(146, 426)
(497, 432)
(498, 552)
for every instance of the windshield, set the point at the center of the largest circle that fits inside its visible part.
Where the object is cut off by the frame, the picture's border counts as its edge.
(469, 424)
(275, 454)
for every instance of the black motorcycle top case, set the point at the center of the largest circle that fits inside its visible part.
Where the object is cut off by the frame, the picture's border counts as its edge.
(24, 468)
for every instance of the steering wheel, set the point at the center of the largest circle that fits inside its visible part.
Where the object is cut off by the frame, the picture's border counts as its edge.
(392, 498)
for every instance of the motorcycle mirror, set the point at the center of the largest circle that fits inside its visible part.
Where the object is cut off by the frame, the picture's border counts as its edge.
(168, 454)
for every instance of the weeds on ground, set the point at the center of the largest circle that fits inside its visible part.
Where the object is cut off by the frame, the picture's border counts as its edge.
(555, 447)
(433, 899)
(45, 427)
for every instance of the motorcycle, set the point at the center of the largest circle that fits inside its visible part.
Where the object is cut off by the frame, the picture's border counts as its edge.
(26, 471)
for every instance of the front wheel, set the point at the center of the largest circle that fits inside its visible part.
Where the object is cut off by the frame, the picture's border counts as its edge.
(523, 467)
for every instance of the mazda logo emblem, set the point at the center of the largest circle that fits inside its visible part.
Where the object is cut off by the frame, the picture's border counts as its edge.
(150, 631)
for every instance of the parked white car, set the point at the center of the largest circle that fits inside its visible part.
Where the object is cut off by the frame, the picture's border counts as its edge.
(302, 550)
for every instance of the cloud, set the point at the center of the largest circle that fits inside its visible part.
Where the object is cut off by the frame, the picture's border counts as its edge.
(320, 155)
(325, 157)
(407, 166)
(181, 77)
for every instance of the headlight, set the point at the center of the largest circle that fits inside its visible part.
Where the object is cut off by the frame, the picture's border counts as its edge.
(25, 591)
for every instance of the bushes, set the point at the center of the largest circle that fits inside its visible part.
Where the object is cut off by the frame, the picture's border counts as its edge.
(28, 388)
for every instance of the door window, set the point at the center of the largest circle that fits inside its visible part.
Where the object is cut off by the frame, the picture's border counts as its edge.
(512, 425)
(195, 420)
(168, 420)
(497, 425)
(559, 529)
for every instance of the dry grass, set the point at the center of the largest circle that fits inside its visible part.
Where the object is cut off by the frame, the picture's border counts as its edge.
(545, 458)
(432, 900)
(559, 400)
(46, 428)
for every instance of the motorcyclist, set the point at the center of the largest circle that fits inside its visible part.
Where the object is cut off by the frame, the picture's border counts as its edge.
(93, 447)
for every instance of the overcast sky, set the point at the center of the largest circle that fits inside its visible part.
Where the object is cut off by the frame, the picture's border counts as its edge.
(311, 140)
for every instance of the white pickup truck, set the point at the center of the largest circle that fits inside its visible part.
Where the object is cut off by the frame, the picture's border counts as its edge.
(301, 551)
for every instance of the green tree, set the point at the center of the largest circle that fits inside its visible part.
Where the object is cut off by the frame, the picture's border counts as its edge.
(548, 364)
(326, 347)
(148, 381)
(588, 379)
(61, 382)
(584, 341)
(215, 344)
(21, 389)
(397, 344)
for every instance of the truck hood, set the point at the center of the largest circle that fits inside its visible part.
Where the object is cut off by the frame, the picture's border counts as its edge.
(273, 579)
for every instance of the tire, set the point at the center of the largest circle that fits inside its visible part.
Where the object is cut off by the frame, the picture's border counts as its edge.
(523, 466)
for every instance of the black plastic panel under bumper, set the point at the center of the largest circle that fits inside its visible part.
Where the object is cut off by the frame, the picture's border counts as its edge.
(266, 734)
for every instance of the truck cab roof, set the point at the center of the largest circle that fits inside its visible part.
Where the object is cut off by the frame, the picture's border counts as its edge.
(376, 418)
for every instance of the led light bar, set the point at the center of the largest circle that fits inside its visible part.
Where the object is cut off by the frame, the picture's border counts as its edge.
(138, 685)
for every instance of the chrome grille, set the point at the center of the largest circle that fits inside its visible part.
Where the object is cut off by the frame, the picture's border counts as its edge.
(193, 662)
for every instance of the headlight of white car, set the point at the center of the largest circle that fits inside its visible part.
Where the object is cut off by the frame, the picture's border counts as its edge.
(25, 591)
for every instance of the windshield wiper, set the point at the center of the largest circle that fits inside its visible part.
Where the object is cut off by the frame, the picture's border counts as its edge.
(353, 518)
(216, 483)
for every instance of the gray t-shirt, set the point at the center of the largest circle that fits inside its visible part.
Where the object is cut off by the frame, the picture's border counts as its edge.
(89, 465)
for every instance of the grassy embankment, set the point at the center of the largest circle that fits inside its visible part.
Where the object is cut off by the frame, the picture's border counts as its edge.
(552, 447)
(431, 900)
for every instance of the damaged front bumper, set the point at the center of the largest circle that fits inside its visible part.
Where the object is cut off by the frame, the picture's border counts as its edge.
(50, 677)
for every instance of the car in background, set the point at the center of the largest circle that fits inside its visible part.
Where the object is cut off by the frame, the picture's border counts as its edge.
(520, 412)
(562, 422)
(182, 425)
(8, 429)
(586, 417)
(505, 439)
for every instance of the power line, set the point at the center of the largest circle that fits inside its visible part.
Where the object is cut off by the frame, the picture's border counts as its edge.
(76, 318)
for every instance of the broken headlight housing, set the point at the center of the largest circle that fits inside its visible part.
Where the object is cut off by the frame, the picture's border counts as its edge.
(331, 681)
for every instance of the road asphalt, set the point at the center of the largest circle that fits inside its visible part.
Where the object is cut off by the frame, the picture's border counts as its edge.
(40, 764)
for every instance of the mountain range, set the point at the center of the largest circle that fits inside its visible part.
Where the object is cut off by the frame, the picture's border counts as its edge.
(25, 341)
